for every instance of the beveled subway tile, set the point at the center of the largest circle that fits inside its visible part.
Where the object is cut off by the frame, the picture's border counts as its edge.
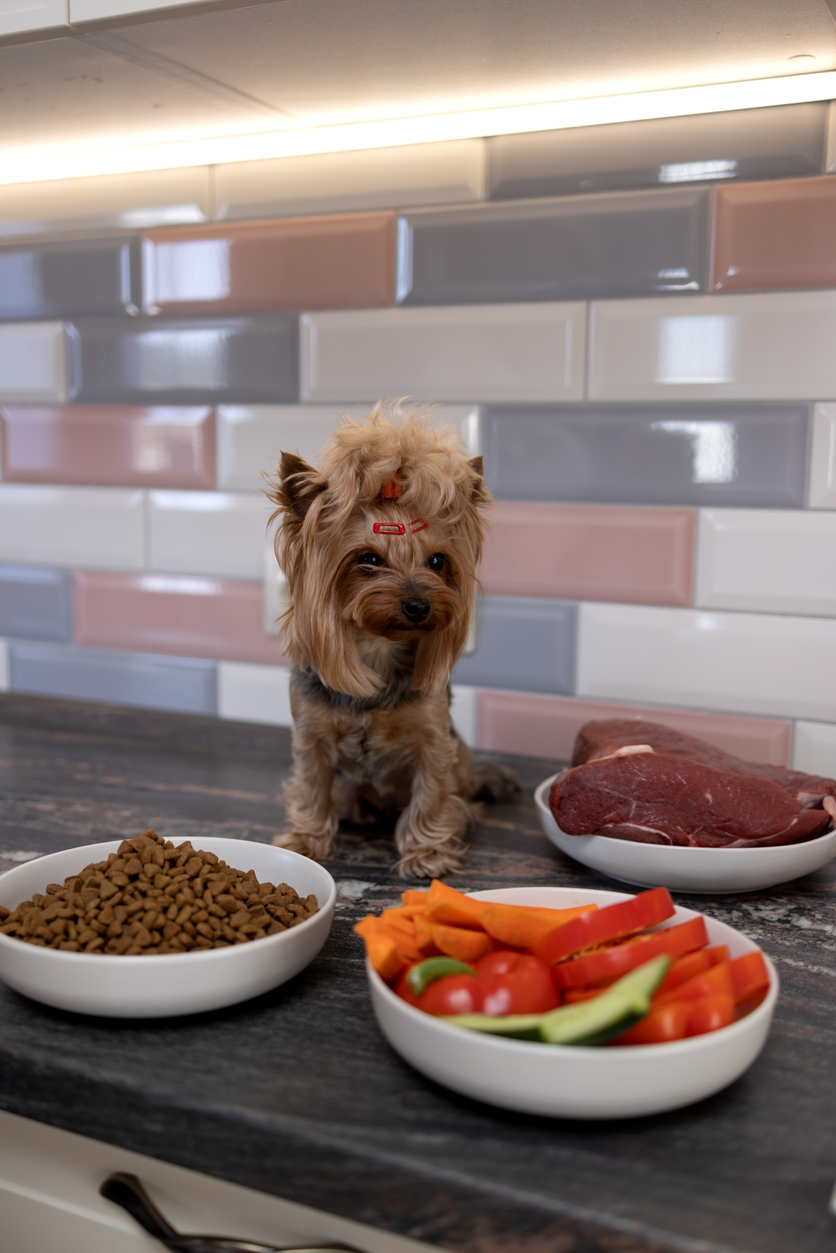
(775, 235)
(110, 201)
(252, 693)
(251, 438)
(676, 454)
(768, 560)
(36, 602)
(70, 277)
(781, 142)
(174, 614)
(4, 665)
(108, 445)
(575, 248)
(36, 362)
(343, 182)
(212, 533)
(752, 663)
(179, 684)
(522, 642)
(532, 352)
(183, 361)
(464, 707)
(85, 526)
(764, 346)
(333, 262)
(822, 490)
(546, 726)
(640, 555)
(814, 748)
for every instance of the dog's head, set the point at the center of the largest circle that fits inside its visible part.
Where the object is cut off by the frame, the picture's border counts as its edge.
(384, 538)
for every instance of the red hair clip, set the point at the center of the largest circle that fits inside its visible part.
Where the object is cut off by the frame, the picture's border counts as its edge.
(392, 489)
(389, 528)
(418, 525)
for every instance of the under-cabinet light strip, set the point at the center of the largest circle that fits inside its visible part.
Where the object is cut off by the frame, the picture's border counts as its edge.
(41, 166)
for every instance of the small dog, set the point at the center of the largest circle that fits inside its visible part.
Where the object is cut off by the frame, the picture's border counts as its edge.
(379, 548)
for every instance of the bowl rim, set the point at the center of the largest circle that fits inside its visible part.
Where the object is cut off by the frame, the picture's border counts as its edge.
(667, 850)
(522, 1047)
(12, 945)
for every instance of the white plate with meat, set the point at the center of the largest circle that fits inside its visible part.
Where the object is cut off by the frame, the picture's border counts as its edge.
(685, 815)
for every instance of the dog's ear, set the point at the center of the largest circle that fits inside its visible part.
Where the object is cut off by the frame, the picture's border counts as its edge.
(477, 464)
(300, 490)
(478, 494)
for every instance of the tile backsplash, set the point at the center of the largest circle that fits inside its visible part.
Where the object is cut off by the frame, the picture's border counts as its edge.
(633, 323)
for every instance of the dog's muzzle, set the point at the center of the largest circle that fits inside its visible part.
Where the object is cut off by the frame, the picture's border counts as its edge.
(415, 608)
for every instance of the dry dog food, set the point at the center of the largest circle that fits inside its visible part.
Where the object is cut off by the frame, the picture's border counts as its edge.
(152, 897)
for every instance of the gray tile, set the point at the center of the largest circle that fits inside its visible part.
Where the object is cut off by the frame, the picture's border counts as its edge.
(192, 361)
(69, 278)
(782, 142)
(36, 602)
(523, 643)
(648, 454)
(180, 684)
(575, 248)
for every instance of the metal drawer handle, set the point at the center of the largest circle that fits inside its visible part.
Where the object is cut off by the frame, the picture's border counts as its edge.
(127, 1191)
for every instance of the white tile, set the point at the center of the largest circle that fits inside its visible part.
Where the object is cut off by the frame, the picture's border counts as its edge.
(822, 490)
(830, 154)
(254, 693)
(122, 201)
(275, 587)
(17, 17)
(772, 560)
(731, 662)
(251, 438)
(99, 527)
(102, 10)
(4, 666)
(814, 748)
(472, 353)
(33, 361)
(763, 346)
(218, 533)
(464, 710)
(334, 182)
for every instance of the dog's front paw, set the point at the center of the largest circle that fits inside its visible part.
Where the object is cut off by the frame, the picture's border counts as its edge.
(428, 863)
(317, 847)
(494, 784)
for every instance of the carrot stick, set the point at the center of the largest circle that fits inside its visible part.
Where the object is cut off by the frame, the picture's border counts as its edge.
(467, 946)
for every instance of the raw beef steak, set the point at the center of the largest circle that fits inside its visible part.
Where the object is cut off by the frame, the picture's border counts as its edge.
(643, 781)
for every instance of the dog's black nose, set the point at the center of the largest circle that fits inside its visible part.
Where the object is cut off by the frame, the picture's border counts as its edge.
(416, 608)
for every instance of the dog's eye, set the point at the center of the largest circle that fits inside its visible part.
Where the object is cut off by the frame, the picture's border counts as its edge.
(370, 559)
(437, 562)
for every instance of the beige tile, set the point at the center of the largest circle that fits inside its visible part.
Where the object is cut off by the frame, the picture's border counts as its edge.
(85, 526)
(213, 533)
(468, 353)
(33, 362)
(814, 748)
(764, 346)
(822, 489)
(249, 693)
(335, 182)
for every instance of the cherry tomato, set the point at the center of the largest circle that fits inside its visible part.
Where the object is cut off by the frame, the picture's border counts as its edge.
(454, 994)
(516, 983)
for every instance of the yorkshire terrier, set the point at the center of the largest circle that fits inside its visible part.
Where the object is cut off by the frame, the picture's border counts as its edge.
(379, 548)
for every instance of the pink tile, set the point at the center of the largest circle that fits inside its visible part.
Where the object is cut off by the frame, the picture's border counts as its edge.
(334, 262)
(175, 614)
(546, 726)
(775, 234)
(629, 554)
(108, 445)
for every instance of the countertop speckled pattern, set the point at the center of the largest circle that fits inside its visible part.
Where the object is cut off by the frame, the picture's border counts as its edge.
(298, 1095)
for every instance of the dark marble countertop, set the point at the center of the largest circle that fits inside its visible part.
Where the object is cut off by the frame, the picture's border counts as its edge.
(297, 1094)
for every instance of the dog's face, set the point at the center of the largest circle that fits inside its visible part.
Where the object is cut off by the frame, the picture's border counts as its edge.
(383, 540)
(403, 586)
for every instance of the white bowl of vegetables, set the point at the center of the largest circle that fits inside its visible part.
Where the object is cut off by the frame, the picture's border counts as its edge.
(580, 1079)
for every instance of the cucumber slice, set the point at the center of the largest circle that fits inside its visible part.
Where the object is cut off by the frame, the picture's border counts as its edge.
(589, 1022)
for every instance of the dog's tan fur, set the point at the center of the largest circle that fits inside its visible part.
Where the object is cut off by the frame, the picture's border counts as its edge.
(369, 689)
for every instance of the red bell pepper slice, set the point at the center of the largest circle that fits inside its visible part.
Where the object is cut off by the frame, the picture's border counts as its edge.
(612, 963)
(601, 926)
(750, 976)
(710, 1013)
(516, 983)
(693, 964)
(718, 979)
(660, 1026)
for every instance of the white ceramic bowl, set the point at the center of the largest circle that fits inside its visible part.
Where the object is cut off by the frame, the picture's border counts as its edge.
(577, 1082)
(714, 871)
(172, 983)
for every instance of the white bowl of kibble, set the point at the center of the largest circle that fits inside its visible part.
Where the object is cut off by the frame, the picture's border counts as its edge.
(132, 947)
